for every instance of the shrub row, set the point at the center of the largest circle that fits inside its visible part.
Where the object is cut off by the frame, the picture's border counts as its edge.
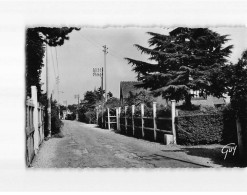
(206, 129)
(199, 129)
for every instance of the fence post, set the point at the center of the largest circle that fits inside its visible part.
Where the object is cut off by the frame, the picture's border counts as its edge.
(42, 121)
(154, 120)
(108, 118)
(125, 118)
(119, 119)
(39, 123)
(133, 123)
(173, 121)
(105, 118)
(142, 119)
(102, 118)
(97, 115)
(35, 118)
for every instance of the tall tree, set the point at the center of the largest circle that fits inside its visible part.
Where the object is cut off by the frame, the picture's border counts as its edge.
(234, 77)
(35, 50)
(187, 58)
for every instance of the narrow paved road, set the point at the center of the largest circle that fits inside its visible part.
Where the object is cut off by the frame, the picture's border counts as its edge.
(87, 146)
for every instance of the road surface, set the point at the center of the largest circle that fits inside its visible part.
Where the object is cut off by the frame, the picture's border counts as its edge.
(86, 146)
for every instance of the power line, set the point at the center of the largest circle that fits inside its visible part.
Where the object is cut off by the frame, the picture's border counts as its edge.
(114, 54)
(53, 63)
(96, 45)
(53, 70)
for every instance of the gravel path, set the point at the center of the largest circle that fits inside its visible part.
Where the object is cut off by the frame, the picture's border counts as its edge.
(85, 146)
(46, 154)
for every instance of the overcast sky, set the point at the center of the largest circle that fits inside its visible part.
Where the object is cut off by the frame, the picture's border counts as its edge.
(83, 52)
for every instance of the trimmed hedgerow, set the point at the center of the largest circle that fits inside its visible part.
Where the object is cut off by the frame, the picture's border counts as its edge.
(199, 129)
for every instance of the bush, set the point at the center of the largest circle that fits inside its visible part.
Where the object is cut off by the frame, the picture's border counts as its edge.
(199, 129)
(230, 128)
(198, 109)
(87, 115)
(90, 117)
(71, 116)
(102, 125)
(207, 125)
(56, 123)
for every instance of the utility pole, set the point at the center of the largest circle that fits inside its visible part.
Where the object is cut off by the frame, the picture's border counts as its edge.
(105, 50)
(48, 98)
(57, 81)
(102, 83)
(77, 115)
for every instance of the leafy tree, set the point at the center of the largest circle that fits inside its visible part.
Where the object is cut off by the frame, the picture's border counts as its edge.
(62, 108)
(34, 60)
(138, 98)
(109, 94)
(100, 93)
(187, 58)
(234, 77)
(35, 50)
(91, 97)
(113, 102)
(73, 107)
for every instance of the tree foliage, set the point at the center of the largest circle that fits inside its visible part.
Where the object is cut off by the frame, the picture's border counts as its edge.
(93, 97)
(235, 78)
(56, 123)
(36, 38)
(138, 98)
(187, 58)
(109, 94)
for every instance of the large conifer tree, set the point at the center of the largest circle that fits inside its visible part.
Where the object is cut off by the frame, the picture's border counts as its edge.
(187, 58)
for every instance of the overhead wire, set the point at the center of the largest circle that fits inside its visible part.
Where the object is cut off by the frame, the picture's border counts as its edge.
(100, 47)
(53, 70)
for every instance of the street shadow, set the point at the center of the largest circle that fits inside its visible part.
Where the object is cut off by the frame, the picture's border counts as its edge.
(188, 163)
(215, 155)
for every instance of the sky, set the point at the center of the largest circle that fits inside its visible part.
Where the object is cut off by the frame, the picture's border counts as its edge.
(83, 52)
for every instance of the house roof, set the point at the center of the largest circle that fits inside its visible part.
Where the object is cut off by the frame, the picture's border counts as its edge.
(129, 86)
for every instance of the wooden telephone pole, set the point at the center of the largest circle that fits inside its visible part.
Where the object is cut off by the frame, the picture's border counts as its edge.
(48, 98)
(105, 50)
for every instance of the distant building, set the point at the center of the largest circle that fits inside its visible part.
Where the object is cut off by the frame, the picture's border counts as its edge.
(198, 98)
(64, 114)
(130, 86)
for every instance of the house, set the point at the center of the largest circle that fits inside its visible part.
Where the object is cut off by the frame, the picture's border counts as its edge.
(130, 86)
(198, 98)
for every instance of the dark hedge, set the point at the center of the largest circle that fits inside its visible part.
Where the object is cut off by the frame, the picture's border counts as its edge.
(199, 129)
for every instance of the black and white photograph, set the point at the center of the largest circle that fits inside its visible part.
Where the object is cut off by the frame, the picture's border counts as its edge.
(135, 97)
(123, 95)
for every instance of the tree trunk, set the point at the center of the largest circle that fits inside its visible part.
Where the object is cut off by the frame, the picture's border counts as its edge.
(188, 101)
